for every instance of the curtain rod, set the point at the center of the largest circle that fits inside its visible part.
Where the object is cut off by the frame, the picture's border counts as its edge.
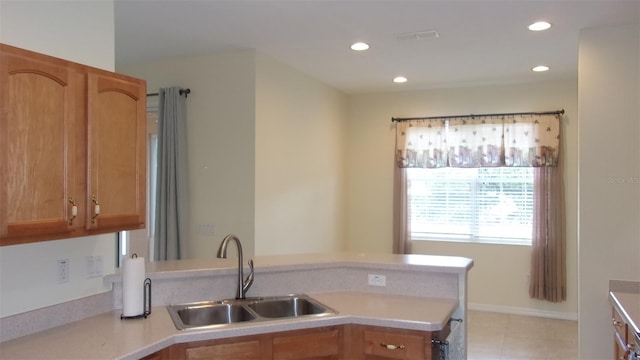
(184, 92)
(557, 112)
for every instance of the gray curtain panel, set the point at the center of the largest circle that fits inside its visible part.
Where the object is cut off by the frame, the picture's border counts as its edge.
(172, 196)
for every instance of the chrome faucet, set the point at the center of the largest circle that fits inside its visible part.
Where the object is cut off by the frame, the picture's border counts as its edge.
(243, 284)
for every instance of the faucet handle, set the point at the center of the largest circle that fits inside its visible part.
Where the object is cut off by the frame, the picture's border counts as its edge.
(249, 280)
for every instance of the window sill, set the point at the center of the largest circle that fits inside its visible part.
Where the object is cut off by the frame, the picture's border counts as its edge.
(478, 241)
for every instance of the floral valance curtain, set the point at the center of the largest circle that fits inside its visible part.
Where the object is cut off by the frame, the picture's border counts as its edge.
(483, 141)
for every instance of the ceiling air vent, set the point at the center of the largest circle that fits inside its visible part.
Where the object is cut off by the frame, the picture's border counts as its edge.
(419, 35)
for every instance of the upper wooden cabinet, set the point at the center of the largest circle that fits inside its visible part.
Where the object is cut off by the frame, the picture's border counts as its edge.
(69, 134)
(117, 151)
(39, 169)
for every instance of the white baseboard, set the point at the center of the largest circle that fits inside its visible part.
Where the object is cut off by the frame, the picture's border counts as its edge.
(523, 311)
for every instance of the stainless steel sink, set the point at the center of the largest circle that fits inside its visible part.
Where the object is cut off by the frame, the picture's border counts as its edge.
(207, 314)
(212, 314)
(288, 307)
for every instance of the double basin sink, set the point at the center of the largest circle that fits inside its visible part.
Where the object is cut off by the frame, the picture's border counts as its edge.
(212, 314)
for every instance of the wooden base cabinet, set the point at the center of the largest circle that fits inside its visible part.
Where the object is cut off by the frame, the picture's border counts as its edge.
(323, 343)
(347, 342)
(72, 149)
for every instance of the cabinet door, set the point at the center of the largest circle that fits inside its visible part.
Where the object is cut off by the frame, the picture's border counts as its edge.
(232, 351)
(321, 343)
(116, 148)
(394, 345)
(373, 342)
(38, 169)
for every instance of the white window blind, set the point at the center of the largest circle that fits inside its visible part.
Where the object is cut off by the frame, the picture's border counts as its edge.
(493, 205)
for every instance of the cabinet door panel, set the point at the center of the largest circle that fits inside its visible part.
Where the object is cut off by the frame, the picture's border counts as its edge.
(37, 146)
(117, 140)
(232, 351)
(310, 344)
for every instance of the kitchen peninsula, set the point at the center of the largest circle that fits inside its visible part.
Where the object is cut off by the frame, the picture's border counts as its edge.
(420, 293)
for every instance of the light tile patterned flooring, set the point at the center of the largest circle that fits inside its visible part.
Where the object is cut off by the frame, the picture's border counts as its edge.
(494, 336)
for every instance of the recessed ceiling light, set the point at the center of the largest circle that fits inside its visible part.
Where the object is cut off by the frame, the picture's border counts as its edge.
(359, 46)
(400, 79)
(539, 26)
(540, 68)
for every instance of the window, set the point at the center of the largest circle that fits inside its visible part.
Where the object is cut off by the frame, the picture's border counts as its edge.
(489, 205)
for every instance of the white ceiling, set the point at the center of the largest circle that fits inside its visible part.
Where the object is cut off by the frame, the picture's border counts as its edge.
(481, 42)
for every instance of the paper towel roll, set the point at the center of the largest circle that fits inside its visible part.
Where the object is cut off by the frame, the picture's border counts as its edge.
(133, 275)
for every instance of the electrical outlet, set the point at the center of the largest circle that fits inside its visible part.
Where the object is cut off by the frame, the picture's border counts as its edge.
(377, 280)
(63, 271)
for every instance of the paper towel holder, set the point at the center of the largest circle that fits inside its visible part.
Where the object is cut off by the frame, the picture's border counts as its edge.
(146, 299)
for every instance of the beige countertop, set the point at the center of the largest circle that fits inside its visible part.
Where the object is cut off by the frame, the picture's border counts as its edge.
(105, 336)
(625, 297)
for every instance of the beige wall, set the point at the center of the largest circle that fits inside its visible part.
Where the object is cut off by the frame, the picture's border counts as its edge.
(498, 280)
(609, 98)
(300, 177)
(221, 138)
(252, 173)
(80, 32)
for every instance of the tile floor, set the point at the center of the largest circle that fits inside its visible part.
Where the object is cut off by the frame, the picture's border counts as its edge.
(494, 336)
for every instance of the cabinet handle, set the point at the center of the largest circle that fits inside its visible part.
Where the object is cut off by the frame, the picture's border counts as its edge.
(74, 210)
(392, 347)
(96, 209)
(617, 323)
